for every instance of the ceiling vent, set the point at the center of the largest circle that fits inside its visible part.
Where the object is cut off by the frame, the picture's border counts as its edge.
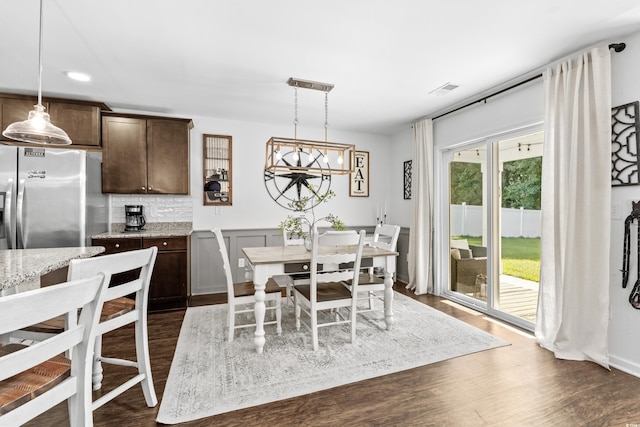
(444, 89)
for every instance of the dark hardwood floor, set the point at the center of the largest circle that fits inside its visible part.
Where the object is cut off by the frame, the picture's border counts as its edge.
(517, 385)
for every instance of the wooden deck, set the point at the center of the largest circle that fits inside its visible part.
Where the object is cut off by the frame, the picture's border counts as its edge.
(517, 300)
(517, 297)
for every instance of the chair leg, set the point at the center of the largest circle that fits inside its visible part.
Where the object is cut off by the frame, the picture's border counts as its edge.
(297, 312)
(96, 377)
(289, 293)
(353, 319)
(279, 314)
(314, 329)
(232, 321)
(80, 404)
(144, 363)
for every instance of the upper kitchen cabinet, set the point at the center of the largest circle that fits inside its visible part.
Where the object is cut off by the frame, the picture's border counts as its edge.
(79, 119)
(145, 154)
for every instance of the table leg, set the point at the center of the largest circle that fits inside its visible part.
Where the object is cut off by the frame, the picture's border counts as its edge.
(259, 281)
(388, 298)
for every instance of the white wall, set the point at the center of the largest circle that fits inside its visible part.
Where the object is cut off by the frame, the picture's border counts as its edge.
(252, 206)
(401, 151)
(624, 348)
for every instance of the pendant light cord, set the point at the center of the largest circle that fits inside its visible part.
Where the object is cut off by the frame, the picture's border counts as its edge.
(40, 60)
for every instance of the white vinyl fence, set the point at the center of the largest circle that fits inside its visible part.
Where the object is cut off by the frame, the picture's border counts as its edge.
(466, 220)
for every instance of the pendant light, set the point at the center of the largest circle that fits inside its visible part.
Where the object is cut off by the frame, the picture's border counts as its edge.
(37, 128)
(301, 151)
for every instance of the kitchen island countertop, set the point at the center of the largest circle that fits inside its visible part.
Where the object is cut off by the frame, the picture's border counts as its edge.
(152, 229)
(18, 266)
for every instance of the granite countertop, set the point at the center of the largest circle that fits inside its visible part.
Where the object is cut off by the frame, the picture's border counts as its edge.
(24, 265)
(152, 229)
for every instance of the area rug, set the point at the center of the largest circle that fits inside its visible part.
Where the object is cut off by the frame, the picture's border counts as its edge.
(209, 375)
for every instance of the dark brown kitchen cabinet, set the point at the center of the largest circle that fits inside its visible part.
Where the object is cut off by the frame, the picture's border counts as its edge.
(79, 119)
(145, 154)
(169, 280)
(15, 110)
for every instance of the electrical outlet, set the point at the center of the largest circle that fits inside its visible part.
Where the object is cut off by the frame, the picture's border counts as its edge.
(240, 262)
(615, 211)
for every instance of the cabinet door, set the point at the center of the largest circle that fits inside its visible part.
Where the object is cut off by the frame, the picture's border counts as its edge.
(124, 155)
(168, 156)
(14, 110)
(113, 246)
(81, 122)
(169, 281)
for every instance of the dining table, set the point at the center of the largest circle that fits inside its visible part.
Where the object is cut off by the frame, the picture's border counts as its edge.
(269, 261)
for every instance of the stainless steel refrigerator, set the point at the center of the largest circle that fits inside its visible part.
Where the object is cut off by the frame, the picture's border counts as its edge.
(50, 197)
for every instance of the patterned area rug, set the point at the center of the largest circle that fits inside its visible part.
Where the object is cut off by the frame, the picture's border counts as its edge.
(210, 376)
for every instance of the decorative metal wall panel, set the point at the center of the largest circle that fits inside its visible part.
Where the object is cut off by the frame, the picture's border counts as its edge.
(625, 126)
(407, 179)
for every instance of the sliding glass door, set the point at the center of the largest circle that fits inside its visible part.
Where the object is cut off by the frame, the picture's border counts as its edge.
(494, 226)
(467, 223)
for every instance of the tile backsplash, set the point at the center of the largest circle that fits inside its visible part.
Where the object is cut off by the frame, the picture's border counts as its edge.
(157, 208)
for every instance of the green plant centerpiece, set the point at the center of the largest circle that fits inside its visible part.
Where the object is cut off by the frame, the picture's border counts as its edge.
(295, 225)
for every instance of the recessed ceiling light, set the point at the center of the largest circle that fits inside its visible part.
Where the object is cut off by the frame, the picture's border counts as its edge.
(444, 89)
(81, 77)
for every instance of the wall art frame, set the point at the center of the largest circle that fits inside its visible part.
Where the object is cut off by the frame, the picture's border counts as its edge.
(625, 127)
(407, 179)
(359, 178)
(217, 161)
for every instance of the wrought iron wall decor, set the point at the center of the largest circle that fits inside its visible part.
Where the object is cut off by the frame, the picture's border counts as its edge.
(634, 297)
(307, 179)
(407, 180)
(625, 125)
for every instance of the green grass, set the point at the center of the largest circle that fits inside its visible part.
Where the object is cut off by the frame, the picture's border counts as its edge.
(520, 255)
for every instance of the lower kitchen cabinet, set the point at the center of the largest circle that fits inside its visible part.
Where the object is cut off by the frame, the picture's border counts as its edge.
(169, 281)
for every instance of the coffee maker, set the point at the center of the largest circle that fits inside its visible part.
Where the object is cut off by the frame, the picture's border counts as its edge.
(134, 218)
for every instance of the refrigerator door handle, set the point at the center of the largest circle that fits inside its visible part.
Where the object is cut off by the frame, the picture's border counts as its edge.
(8, 232)
(19, 206)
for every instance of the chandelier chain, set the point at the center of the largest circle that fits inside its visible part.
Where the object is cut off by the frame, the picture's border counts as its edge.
(326, 114)
(295, 113)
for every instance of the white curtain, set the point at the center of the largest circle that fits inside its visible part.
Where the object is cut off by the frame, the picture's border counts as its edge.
(420, 247)
(573, 303)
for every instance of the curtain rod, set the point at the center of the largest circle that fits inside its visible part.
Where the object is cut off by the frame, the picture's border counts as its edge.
(617, 47)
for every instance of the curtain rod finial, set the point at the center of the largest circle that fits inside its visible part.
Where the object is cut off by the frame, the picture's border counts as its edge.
(618, 47)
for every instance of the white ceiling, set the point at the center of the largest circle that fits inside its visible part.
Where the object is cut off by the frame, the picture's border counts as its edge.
(232, 58)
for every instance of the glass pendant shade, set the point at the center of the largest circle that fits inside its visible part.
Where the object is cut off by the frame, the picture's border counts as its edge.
(37, 129)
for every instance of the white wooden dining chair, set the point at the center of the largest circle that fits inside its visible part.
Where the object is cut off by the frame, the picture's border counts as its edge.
(241, 296)
(119, 310)
(38, 377)
(341, 253)
(371, 282)
(291, 279)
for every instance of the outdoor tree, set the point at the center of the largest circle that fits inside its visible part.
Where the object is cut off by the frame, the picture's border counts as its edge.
(466, 183)
(522, 183)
